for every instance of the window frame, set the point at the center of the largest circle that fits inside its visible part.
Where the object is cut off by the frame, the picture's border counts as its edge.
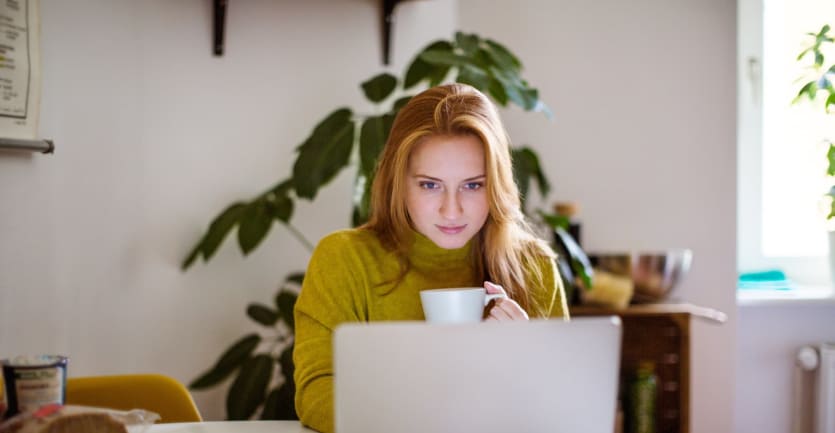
(811, 273)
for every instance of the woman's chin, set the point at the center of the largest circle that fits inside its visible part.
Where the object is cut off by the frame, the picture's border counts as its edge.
(448, 242)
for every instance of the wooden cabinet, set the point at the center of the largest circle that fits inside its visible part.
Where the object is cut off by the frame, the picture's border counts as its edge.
(659, 333)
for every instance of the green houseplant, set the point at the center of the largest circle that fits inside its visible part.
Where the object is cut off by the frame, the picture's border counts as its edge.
(818, 86)
(340, 140)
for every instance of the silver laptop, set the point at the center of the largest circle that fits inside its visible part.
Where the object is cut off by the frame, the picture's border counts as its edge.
(527, 377)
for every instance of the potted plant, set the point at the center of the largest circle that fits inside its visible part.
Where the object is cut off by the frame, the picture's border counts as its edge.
(340, 140)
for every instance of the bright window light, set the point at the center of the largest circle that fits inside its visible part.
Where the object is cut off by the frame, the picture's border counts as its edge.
(794, 179)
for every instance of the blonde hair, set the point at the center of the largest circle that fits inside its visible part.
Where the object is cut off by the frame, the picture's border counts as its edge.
(505, 251)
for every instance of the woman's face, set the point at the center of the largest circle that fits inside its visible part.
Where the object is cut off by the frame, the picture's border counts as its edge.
(445, 193)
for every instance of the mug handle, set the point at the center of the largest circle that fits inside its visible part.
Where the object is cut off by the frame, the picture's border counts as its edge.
(490, 296)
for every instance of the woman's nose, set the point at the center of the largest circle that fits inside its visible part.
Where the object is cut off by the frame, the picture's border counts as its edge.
(451, 206)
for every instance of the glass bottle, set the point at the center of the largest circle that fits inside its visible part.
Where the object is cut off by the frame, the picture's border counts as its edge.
(641, 395)
(569, 210)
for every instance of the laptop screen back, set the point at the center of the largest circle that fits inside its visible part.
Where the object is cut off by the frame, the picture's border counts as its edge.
(536, 377)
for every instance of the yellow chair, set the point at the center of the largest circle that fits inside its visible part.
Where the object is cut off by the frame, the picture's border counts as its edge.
(154, 392)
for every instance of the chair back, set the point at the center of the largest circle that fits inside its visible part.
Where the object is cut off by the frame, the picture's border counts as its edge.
(154, 392)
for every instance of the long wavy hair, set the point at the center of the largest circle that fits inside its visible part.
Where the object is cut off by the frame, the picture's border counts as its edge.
(505, 250)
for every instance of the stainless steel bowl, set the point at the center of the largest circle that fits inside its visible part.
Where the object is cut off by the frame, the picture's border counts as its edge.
(654, 274)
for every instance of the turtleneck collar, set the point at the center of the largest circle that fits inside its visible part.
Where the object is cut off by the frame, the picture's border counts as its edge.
(424, 253)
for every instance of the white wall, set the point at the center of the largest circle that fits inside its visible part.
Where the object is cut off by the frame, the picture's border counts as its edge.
(644, 139)
(768, 340)
(768, 336)
(154, 136)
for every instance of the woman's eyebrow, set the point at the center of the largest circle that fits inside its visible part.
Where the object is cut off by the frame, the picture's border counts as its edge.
(469, 179)
(427, 177)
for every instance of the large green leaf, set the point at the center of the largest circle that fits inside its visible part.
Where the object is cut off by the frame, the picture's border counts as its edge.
(295, 277)
(280, 404)
(474, 77)
(271, 406)
(438, 75)
(286, 362)
(468, 42)
(580, 263)
(830, 100)
(218, 230)
(324, 154)
(248, 390)
(420, 70)
(809, 89)
(285, 300)
(280, 205)
(379, 87)
(281, 401)
(444, 58)
(526, 168)
(231, 359)
(373, 135)
(522, 172)
(516, 90)
(502, 57)
(541, 181)
(482, 60)
(254, 225)
(496, 90)
(555, 220)
(830, 156)
(262, 314)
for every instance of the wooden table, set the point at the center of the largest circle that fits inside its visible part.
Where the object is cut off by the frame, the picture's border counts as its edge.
(659, 333)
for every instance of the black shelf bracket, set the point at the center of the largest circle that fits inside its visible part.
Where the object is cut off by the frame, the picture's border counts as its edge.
(219, 26)
(388, 22)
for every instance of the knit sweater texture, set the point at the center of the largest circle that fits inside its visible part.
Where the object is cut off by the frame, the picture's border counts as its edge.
(352, 278)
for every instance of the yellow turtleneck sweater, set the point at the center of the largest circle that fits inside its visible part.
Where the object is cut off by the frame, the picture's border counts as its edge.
(351, 278)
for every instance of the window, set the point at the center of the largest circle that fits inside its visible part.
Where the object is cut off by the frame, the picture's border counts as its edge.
(782, 157)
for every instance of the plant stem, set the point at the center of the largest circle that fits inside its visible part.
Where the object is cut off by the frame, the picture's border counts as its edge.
(300, 237)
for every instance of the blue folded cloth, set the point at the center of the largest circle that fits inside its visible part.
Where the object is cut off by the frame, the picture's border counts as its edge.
(771, 279)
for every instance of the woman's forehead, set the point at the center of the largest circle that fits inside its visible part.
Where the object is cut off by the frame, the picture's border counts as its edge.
(450, 156)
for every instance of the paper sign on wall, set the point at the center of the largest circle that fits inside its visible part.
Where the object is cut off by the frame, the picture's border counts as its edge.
(20, 74)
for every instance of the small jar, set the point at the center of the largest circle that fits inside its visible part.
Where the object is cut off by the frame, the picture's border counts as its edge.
(33, 381)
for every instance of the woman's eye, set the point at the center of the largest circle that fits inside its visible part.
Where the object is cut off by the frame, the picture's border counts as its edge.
(472, 186)
(425, 184)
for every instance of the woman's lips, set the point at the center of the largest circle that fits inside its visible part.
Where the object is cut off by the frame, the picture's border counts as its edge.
(451, 230)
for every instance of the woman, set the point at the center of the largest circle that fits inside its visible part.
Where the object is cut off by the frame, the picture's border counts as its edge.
(445, 212)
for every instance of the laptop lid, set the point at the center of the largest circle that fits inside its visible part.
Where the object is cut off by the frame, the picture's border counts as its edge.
(535, 377)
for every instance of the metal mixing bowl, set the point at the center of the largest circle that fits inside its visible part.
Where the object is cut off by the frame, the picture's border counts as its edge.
(654, 274)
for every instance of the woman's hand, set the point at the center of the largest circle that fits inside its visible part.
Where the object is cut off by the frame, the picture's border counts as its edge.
(503, 309)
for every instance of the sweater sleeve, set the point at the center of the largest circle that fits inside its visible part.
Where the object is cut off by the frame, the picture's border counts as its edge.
(330, 295)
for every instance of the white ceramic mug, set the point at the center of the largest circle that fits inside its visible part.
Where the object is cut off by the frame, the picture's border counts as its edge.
(456, 305)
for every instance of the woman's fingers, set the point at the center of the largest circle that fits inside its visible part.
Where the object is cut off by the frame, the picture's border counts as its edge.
(507, 309)
(504, 308)
(500, 313)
